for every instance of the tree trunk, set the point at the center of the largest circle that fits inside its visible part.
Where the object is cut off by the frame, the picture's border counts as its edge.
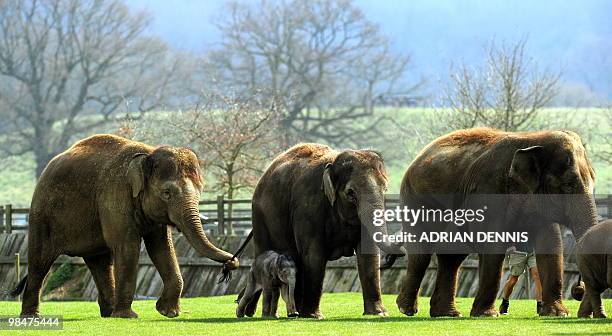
(42, 157)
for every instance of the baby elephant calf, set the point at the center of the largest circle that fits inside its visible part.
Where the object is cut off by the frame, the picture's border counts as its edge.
(271, 272)
(594, 257)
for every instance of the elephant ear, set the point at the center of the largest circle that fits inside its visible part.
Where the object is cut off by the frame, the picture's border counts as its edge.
(136, 173)
(526, 168)
(328, 185)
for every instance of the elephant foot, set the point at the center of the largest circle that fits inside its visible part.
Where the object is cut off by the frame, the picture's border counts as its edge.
(106, 308)
(269, 317)
(106, 311)
(554, 309)
(409, 311)
(407, 307)
(599, 314)
(490, 312)
(168, 308)
(33, 314)
(293, 315)
(124, 313)
(444, 313)
(375, 309)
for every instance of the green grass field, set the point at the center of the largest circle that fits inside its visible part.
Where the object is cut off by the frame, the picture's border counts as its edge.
(215, 315)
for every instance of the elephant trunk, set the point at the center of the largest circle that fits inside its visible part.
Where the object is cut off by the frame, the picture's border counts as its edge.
(191, 226)
(376, 230)
(581, 213)
(291, 306)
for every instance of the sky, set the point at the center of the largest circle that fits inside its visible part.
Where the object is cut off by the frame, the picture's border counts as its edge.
(575, 36)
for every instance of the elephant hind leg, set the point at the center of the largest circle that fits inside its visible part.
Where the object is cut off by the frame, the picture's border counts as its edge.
(101, 268)
(38, 267)
(489, 276)
(251, 306)
(591, 304)
(407, 301)
(585, 310)
(443, 298)
(250, 292)
(596, 304)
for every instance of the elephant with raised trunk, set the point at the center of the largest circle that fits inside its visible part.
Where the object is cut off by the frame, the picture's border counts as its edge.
(523, 165)
(313, 203)
(98, 200)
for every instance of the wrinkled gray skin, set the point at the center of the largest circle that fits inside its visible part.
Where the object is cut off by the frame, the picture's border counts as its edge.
(272, 273)
(594, 257)
(487, 161)
(99, 200)
(316, 204)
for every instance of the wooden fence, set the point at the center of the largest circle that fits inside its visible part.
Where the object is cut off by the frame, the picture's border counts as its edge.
(227, 230)
(200, 274)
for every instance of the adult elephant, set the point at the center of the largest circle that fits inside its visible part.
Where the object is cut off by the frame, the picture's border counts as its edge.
(313, 203)
(98, 200)
(487, 161)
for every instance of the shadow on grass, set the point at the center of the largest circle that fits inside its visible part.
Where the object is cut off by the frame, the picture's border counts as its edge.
(579, 321)
(344, 319)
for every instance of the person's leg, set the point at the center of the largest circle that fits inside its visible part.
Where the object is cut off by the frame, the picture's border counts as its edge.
(509, 287)
(517, 262)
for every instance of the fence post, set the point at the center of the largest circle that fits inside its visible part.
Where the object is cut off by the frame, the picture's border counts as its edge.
(17, 269)
(609, 206)
(8, 218)
(1, 219)
(220, 215)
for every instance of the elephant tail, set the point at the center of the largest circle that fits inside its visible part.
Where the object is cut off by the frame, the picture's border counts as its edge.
(20, 287)
(389, 261)
(226, 274)
(578, 289)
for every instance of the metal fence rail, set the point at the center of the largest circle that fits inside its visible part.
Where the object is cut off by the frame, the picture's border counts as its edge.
(228, 216)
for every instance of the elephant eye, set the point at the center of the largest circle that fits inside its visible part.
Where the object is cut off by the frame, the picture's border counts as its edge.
(166, 194)
(350, 193)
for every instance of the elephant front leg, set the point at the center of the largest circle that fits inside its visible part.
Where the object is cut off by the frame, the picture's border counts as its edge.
(369, 276)
(270, 302)
(312, 276)
(161, 251)
(126, 270)
(489, 276)
(550, 267)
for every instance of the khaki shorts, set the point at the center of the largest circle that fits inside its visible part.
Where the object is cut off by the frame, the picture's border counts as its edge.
(519, 261)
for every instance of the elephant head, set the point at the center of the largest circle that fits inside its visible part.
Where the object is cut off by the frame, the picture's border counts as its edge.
(167, 184)
(557, 167)
(287, 272)
(355, 184)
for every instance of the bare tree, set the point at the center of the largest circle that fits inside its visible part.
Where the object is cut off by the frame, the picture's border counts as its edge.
(324, 57)
(236, 137)
(605, 152)
(506, 92)
(67, 67)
